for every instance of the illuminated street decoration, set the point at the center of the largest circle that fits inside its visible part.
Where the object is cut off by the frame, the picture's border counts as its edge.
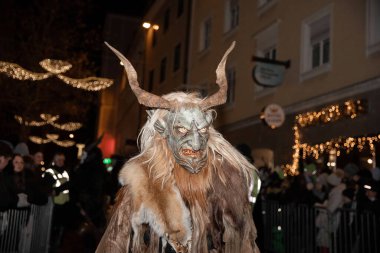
(17, 72)
(51, 120)
(52, 138)
(88, 83)
(54, 68)
(350, 109)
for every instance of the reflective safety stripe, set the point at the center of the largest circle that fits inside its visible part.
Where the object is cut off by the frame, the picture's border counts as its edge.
(57, 184)
(65, 175)
(51, 171)
(60, 178)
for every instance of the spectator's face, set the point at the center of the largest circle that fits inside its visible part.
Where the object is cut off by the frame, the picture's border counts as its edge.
(59, 160)
(372, 195)
(38, 158)
(4, 162)
(18, 164)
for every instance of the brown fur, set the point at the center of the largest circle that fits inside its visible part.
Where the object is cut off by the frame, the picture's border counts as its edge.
(211, 204)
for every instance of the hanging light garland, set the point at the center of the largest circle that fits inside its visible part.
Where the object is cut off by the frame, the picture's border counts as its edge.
(349, 109)
(51, 120)
(51, 138)
(88, 83)
(54, 68)
(15, 71)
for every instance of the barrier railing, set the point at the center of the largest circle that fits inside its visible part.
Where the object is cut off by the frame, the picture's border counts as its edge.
(26, 230)
(294, 228)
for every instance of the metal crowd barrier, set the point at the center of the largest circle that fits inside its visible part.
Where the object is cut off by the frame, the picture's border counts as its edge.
(26, 230)
(295, 228)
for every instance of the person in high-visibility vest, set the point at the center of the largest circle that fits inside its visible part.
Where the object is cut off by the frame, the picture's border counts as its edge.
(58, 178)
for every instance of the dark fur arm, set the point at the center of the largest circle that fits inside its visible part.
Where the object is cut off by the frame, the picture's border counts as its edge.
(117, 237)
(233, 228)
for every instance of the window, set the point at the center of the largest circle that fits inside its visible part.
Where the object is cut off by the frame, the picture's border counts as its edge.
(320, 52)
(264, 5)
(166, 20)
(180, 7)
(373, 26)
(261, 3)
(163, 70)
(231, 15)
(151, 80)
(316, 44)
(266, 46)
(231, 80)
(205, 38)
(177, 57)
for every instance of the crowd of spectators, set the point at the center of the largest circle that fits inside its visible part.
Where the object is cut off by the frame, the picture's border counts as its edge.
(81, 193)
(330, 191)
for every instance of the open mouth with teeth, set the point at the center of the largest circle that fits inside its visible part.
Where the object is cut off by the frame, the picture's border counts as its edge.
(191, 153)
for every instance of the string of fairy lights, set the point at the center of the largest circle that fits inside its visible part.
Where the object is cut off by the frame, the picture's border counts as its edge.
(349, 109)
(52, 138)
(54, 68)
(48, 119)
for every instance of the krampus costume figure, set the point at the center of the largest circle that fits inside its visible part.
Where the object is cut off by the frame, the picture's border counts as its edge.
(188, 188)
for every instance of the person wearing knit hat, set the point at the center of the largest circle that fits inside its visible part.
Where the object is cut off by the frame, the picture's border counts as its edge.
(336, 177)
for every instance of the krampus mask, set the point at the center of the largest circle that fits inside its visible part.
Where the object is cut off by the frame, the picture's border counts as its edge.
(186, 127)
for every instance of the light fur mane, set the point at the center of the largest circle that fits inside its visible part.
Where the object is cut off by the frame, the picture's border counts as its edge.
(158, 157)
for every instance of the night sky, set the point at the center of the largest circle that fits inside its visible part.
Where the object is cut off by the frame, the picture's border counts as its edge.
(33, 30)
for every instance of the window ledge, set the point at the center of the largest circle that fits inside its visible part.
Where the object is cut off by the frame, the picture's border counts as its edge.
(203, 52)
(315, 72)
(373, 48)
(230, 32)
(265, 7)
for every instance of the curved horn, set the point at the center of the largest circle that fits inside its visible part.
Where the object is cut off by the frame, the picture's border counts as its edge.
(220, 96)
(144, 97)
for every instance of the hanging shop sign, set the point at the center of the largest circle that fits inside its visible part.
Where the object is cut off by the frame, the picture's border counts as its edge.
(269, 73)
(273, 115)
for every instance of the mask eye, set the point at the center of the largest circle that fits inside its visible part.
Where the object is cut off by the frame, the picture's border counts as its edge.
(182, 130)
(203, 130)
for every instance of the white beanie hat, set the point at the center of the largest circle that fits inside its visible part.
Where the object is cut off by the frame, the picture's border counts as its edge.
(335, 178)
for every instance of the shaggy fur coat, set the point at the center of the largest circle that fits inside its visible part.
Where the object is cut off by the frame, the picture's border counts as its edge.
(197, 213)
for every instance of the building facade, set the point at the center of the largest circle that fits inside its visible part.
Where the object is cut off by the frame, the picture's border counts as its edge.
(334, 52)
